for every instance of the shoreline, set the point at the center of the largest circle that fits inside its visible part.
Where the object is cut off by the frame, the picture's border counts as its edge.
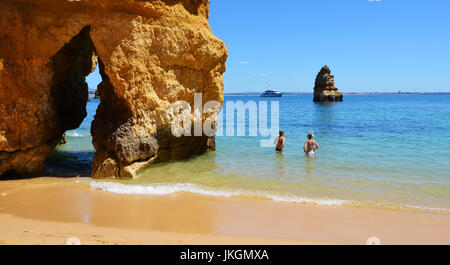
(32, 209)
(194, 189)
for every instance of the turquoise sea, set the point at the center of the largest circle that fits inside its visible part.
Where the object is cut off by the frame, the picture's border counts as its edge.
(388, 151)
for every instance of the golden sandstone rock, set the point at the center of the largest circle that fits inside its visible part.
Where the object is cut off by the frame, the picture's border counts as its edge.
(324, 89)
(150, 53)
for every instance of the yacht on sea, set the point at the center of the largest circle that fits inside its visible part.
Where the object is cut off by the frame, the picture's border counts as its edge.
(271, 93)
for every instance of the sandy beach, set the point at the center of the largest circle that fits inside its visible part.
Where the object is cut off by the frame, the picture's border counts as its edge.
(46, 211)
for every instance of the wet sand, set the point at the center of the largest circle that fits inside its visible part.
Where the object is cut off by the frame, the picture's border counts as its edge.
(49, 211)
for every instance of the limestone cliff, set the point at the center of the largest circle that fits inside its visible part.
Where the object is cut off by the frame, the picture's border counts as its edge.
(324, 89)
(150, 53)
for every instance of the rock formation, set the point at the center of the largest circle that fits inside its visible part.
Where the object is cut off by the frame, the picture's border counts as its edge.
(324, 89)
(151, 53)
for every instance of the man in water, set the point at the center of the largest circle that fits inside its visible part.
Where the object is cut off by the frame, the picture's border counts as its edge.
(310, 146)
(280, 142)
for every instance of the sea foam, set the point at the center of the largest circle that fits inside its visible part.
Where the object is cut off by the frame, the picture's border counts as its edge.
(428, 209)
(162, 189)
(75, 134)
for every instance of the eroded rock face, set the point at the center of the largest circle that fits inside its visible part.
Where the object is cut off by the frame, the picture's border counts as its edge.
(324, 89)
(150, 53)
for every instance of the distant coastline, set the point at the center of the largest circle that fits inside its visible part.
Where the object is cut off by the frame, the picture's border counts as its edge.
(243, 94)
(255, 94)
(252, 94)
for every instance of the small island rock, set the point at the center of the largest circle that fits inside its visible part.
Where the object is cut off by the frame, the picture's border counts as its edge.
(324, 90)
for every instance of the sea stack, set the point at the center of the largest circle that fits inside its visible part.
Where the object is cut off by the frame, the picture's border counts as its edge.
(150, 55)
(324, 90)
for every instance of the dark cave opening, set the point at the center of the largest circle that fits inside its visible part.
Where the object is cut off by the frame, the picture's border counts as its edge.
(69, 90)
(75, 105)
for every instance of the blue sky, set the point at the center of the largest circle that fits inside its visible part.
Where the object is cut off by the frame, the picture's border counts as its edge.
(383, 46)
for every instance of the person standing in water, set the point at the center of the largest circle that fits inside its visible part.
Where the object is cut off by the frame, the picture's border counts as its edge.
(280, 142)
(310, 146)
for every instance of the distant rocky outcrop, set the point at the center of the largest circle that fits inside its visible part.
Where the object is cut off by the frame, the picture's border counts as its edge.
(150, 53)
(324, 89)
(63, 140)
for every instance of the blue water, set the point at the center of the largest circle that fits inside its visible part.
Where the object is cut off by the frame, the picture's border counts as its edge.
(75, 157)
(375, 150)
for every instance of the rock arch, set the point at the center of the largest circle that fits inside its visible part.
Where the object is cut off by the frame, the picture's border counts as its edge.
(68, 88)
(150, 54)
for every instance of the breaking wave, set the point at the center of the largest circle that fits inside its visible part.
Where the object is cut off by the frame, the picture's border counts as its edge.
(74, 134)
(162, 189)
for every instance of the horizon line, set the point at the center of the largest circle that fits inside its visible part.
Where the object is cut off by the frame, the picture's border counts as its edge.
(345, 93)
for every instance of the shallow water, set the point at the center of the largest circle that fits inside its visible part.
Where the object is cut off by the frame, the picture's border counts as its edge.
(375, 150)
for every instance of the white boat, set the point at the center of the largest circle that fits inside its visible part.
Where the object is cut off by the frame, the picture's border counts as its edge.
(271, 93)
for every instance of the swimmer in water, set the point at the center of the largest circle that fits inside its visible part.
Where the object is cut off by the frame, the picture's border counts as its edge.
(310, 146)
(280, 142)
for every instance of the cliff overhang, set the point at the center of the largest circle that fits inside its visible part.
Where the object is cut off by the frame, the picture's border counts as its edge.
(150, 55)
